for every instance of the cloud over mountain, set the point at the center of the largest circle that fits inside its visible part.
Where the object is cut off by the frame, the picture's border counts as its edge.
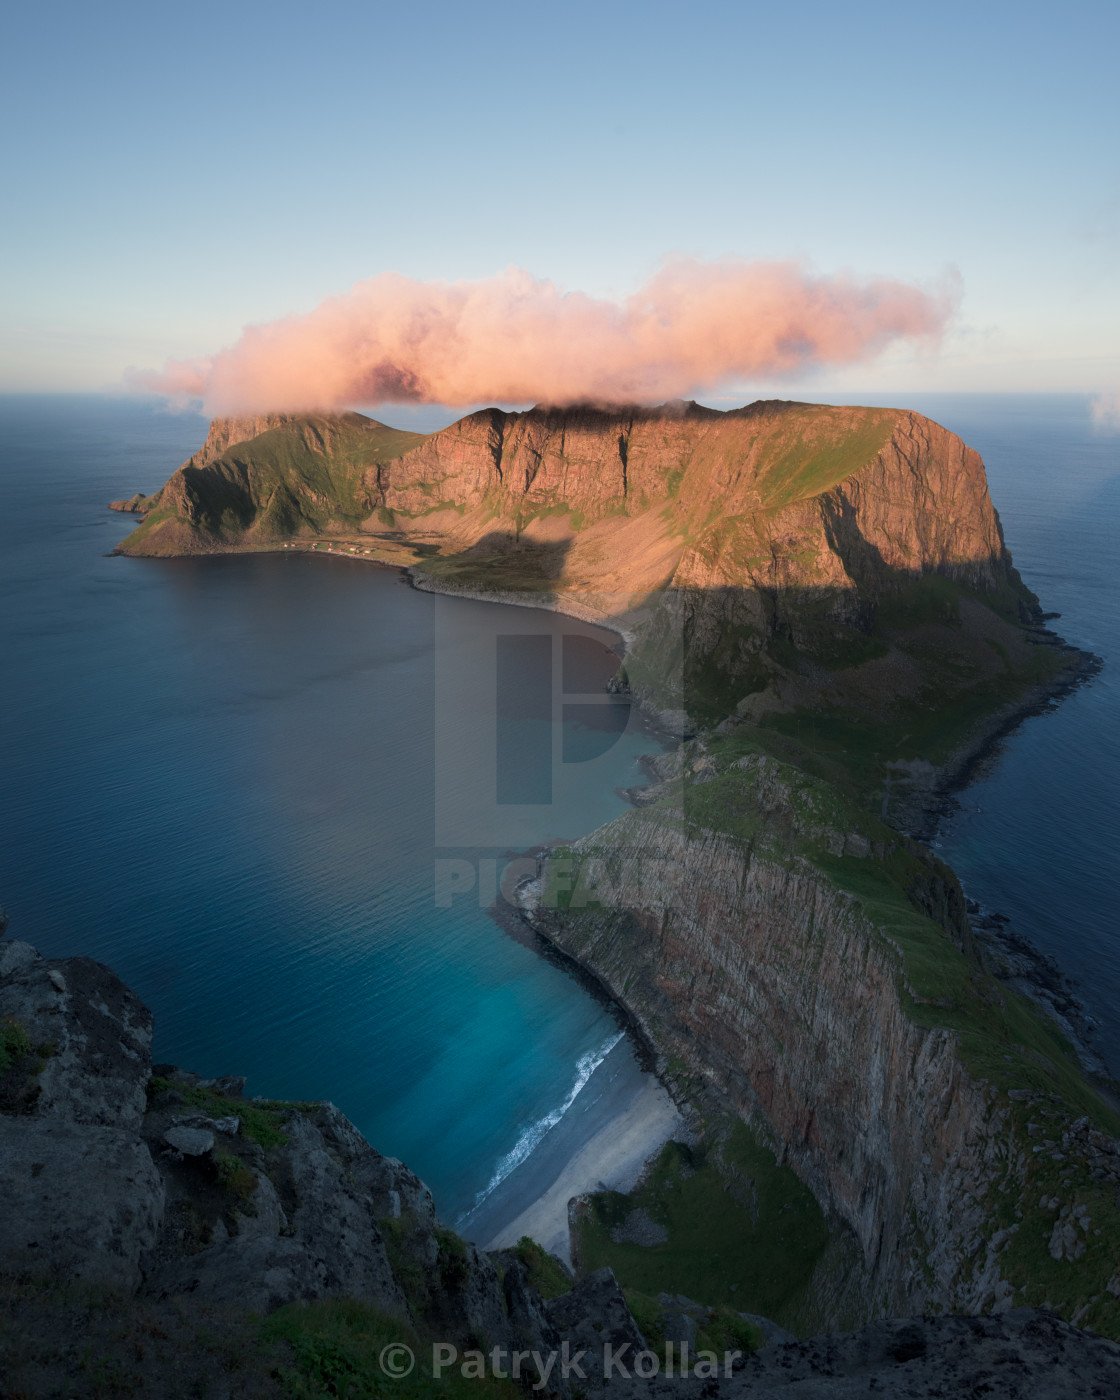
(693, 327)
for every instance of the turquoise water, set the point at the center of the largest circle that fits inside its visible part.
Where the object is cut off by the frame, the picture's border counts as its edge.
(218, 776)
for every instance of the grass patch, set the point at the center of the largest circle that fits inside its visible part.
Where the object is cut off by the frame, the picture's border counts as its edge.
(1003, 1037)
(743, 1232)
(306, 475)
(235, 1177)
(819, 447)
(261, 1119)
(454, 1265)
(335, 1349)
(724, 1330)
(545, 1273)
(15, 1043)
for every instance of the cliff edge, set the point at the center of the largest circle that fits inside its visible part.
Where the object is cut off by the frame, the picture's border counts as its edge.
(162, 1234)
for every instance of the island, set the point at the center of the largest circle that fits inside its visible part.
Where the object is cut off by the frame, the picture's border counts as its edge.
(885, 1118)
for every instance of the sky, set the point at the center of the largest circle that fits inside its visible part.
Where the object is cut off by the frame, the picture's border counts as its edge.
(173, 175)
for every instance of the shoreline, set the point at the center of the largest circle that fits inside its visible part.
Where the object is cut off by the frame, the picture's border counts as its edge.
(622, 1118)
(1011, 956)
(588, 1150)
(920, 813)
(548, 602)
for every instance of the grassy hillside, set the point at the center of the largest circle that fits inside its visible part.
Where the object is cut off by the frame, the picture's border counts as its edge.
(304, 478)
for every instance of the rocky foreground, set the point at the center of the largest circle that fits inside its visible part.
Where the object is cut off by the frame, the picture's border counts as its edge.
(151, 1222)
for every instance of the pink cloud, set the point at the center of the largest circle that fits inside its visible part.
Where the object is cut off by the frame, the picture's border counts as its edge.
(693, 327)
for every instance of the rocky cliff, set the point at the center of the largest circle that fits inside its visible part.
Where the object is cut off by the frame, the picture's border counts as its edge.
(791, 958)
(184, 1206)
(774, 529)
(163, 1235)
(824, 596)
(774, 495)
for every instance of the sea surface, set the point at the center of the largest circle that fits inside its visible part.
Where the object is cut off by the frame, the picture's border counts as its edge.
(219, 776)
(1036, 836)
(225, 777)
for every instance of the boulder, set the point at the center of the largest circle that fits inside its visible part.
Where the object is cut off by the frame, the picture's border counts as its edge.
(191, 1142)
(593, 1315)
(97, 1033)
(14, 956)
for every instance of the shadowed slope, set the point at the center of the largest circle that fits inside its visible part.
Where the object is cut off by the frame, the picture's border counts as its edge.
(259, 480)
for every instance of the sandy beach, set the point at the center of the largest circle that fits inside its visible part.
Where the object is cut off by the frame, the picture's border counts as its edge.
(612, 1160)
(621, 1118)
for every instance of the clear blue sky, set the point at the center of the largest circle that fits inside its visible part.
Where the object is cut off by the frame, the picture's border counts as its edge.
(172, 173)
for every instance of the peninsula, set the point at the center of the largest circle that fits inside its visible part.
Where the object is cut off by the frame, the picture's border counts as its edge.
(852, 634)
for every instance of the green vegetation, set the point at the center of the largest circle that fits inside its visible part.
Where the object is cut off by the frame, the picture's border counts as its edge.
(336, 1348)
(647, 1313)
(858, 693)
(743, 1232)
(21, 1063)
(236, 1178)
(454, 1266)
(261, 1119)
(826, 448)
(1082, 1287)
(395, 1231)
(511, 566)
(846, 719)
(545, 1274)
(15, 1043)
(307, 476)
(1003, 1037)
(724, 1330)
(904, 897)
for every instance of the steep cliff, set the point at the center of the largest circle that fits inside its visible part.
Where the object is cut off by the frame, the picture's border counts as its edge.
(258, 480)
(150, 1219)
(790, 956)
(774, 495)
(164, 1235)
(794, 542)
(825, 594)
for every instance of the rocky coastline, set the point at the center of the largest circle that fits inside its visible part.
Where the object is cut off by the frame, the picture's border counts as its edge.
(857, 643)
(163, 1234)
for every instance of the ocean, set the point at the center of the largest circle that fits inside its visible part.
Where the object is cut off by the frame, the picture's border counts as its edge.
(218, 776)
(1036, 835)
(225, 778)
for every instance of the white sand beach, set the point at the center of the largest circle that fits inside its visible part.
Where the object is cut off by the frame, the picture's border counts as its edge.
(612, 1159)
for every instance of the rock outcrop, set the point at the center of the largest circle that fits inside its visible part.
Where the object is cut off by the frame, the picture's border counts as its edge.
(796, 960)
(178, 1185)
(774, 496)
(720, 543)
(177, 1197)
(1018, 1354)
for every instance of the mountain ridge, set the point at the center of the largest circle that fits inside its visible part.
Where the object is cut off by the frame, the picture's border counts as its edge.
(824, 597)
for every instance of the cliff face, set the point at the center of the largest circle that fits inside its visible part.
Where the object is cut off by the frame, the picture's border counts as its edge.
(775, 525)
(187, 1204)
(258, 480)
(149, 1223)
(773, 495)
(836, 582)
(816, 972)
